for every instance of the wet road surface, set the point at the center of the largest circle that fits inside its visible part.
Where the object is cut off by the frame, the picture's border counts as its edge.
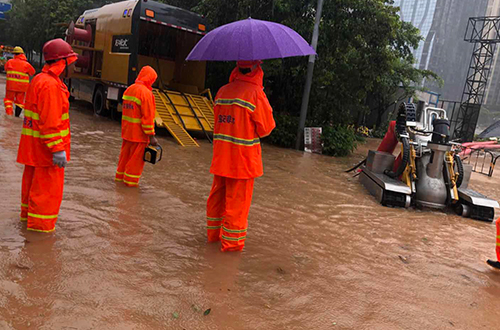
(320, 254)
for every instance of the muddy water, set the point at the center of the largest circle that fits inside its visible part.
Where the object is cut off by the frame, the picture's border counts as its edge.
(320, 253)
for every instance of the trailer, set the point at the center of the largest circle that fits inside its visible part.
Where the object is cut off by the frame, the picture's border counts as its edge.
(115, 41)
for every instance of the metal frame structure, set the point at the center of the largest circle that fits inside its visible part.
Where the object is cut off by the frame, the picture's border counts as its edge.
(485, 161)
(484, 32)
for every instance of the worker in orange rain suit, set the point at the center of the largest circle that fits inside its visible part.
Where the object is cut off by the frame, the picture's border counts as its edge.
(45, 141)
(18, 78)
(242, 116)
(138, 127)
(496, 264)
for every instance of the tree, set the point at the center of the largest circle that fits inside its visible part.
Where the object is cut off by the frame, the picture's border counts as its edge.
(365, 52)
(400, 83)
(31, 23)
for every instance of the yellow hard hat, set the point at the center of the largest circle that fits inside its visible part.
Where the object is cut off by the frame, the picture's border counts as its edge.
(18, 50)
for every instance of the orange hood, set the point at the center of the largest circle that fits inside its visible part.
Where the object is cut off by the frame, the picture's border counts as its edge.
(21, 57)
(59, 66)
(147, 76)
(255, 77)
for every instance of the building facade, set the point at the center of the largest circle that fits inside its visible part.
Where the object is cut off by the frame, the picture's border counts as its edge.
(421, 14)
(492, 97)
(442, 24)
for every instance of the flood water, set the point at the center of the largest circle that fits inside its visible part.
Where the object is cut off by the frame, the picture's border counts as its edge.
(320, 252)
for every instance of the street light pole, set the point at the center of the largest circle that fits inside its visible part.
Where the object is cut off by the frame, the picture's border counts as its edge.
(310, 69)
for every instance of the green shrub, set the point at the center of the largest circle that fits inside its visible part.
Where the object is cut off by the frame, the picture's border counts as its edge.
(285, 133)
(379, 132)
(338, 140)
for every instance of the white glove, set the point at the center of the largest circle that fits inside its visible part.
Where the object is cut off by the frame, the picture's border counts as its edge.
(59, 158)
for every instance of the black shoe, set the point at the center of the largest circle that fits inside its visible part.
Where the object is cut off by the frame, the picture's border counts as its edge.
(18, 111)
(494, 264)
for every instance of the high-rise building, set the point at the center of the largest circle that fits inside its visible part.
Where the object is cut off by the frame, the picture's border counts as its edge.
(442, 24)
(492, 97)
(421, 14)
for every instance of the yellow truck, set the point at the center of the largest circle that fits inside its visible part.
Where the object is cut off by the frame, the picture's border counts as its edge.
(117, 40)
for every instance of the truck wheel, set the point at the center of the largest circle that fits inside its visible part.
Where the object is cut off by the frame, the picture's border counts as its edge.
(113, 111)
(99, 102)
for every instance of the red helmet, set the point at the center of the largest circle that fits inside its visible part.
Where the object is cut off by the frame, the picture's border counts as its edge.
(57, 49)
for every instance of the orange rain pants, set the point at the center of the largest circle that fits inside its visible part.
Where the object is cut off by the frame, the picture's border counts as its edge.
(42, 193)
(13, 98)
(131, 163)
(498, 239)
(227, 212)
(9, 106)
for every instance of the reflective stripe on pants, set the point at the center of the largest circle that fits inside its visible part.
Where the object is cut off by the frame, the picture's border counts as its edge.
(9, 109)
(131, 163)
(227, 212)
(42, 192)
(16, 97)
(11, 99)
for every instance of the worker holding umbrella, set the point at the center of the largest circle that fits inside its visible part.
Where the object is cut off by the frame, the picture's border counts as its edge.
(243, 115)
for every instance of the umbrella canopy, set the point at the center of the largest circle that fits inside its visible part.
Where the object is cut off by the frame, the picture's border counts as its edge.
(248, 40)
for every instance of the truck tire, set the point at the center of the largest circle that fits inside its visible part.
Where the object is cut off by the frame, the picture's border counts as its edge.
(99, 102)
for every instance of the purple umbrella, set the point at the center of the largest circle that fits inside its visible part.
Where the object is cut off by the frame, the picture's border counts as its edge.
(248, 40)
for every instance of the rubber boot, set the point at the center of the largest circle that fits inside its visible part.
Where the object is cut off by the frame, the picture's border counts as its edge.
(18, 111)
(494, 264)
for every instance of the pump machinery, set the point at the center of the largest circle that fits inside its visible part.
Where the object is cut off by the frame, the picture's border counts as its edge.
(429, 173)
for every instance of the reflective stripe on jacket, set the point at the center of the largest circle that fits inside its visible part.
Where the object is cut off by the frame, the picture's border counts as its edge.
(18, 72)
(139, 108)
(243, 115)
(46, 118)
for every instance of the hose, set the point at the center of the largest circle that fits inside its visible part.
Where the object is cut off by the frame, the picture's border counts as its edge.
(404, 160)
(363, 162)
(460, 168)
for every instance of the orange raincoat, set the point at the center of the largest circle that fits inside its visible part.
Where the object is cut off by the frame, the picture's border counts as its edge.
(45, 131)
(139, 111)
(243, 115)
(18, 72)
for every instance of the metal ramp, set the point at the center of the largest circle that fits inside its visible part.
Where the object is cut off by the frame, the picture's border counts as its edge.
(181, 112)
(195, 113)
(173, 123)
(204, 106)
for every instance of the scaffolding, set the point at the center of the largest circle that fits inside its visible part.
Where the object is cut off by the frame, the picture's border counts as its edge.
(484, 33)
